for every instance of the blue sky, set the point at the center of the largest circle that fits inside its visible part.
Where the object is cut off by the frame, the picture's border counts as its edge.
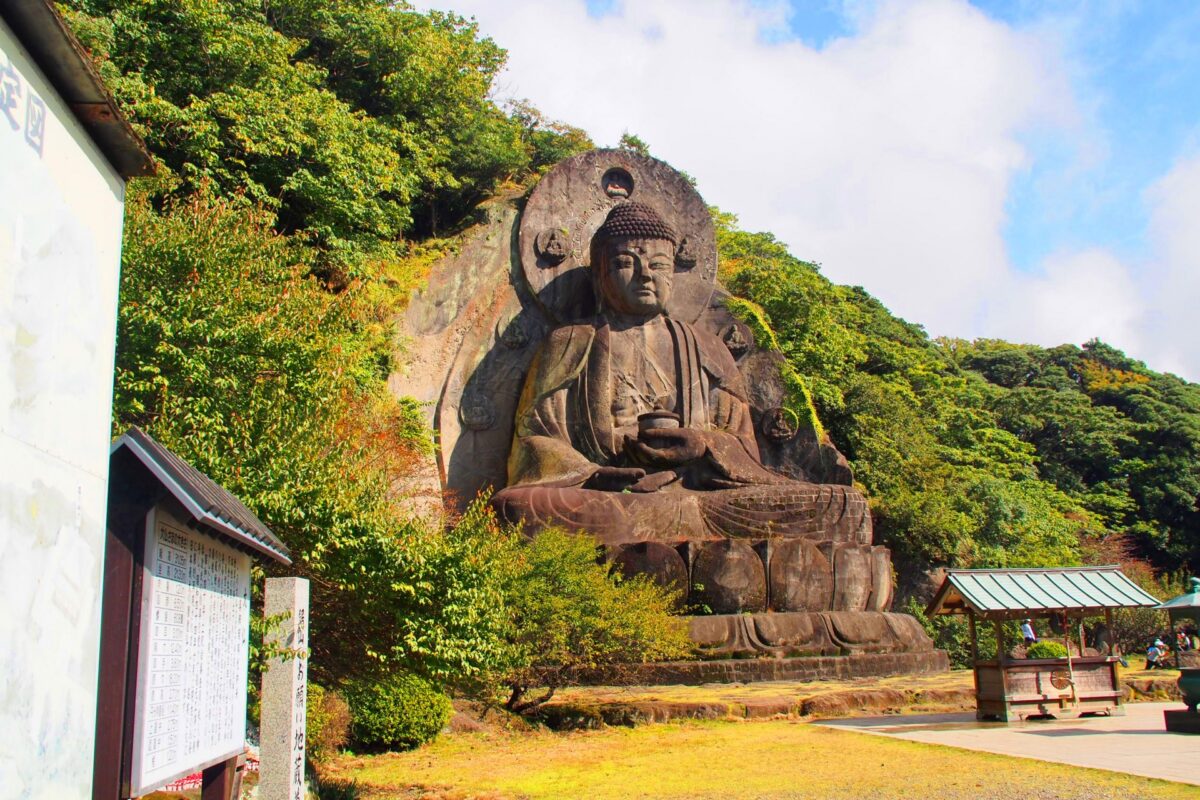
(1021, 170)
(1135, 65)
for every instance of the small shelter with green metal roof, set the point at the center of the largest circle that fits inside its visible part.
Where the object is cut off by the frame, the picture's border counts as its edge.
(1186, 606)
(1008, 687)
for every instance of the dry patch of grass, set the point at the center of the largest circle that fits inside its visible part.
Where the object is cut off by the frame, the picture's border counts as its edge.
(778, 759)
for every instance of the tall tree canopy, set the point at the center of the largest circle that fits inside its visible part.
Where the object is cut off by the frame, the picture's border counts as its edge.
(356, 122)
(985, 453)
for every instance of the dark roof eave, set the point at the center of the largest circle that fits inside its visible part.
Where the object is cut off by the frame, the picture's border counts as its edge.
(256, 538)
(1008, 614)
(67, 66)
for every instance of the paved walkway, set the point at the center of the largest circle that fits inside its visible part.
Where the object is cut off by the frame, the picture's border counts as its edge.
(1136, 743)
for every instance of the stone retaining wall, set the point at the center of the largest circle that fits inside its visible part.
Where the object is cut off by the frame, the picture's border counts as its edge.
(735, 670)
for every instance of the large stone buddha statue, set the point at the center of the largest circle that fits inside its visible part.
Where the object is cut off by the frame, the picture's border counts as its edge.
(585, 338)
(636, 427)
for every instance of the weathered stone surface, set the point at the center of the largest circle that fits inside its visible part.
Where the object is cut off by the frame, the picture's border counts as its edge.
(744, 670)
(575, 197)
(835, 704)
(860, 632)
(791, 634)
(852, 574)
(661, 562)
(801, 577)
(467, 340)
(783, 634)
(881, 580)
(284, 691)
(730, 578)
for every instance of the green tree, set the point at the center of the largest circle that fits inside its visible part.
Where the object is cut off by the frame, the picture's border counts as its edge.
(948, 483)
(633, 143)
(570, 613)
(231, 354)
(356, 122)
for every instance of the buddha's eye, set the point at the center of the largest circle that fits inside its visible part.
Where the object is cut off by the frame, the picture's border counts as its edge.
(624, 262)
(662, 266)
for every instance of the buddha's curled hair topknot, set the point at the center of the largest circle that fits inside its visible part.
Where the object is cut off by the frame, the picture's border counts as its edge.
(636, 219)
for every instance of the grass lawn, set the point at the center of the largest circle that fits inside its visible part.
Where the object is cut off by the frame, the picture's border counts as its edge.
(726, 759)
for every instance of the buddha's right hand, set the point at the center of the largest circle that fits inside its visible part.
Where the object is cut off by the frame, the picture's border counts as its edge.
(614, 479)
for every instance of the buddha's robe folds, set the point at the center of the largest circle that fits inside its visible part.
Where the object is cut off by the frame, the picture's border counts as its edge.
(576, 410)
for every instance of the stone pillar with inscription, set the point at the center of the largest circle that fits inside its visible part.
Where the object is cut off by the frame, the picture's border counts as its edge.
(284, 693)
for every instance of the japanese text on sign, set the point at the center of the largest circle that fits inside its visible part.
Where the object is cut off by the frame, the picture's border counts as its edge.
(21, 107)
(191, 695)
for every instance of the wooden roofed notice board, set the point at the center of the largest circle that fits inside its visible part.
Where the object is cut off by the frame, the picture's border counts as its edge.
(194, 652)
(175, 639)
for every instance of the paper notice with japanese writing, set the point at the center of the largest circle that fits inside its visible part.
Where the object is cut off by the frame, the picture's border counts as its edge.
(191, 687)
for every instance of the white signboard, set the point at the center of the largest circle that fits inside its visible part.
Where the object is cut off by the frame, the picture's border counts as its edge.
(190, 709)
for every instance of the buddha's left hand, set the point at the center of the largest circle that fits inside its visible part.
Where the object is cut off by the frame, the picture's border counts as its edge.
(666, 447)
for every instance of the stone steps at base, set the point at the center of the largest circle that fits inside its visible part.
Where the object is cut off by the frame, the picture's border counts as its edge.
(748, 670)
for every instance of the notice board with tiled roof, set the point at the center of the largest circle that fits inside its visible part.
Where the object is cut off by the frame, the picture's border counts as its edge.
(175, 638)
(1013, 593)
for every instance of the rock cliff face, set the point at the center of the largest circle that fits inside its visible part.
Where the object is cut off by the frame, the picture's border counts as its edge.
(785, 579)
(468, 338)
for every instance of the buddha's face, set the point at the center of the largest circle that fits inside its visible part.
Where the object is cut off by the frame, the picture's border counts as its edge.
(635, 276)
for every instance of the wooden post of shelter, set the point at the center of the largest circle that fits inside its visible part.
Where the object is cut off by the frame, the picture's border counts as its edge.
(1108, 625)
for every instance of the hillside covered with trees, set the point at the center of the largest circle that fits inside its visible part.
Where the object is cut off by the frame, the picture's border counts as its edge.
(313, 151)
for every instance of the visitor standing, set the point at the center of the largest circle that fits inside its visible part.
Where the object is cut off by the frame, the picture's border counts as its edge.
(1028, 632)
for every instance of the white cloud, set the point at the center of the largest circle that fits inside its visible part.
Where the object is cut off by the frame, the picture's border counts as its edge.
(1172, 279)
(887, 155)
(1147, 307)
(1078, 296)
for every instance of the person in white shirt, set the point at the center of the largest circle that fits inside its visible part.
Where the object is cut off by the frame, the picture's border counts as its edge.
(1027, 632)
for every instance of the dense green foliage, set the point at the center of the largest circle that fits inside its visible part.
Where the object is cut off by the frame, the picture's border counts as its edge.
(569, 613)
(984, 453)
(1046, 649)
(326, 724)
(1118, 437)
(353, 121)
(300, 139)
(230, 354)
(399, 712)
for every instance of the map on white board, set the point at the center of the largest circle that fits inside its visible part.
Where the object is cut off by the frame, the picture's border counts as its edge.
(190, 708)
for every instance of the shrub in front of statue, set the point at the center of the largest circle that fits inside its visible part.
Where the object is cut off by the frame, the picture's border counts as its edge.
(1046, 649)
(327, 726)
(399, 712)
(567, 612)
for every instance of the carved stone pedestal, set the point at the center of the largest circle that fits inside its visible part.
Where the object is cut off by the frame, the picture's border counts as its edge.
(826, 633)
(733, 576)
